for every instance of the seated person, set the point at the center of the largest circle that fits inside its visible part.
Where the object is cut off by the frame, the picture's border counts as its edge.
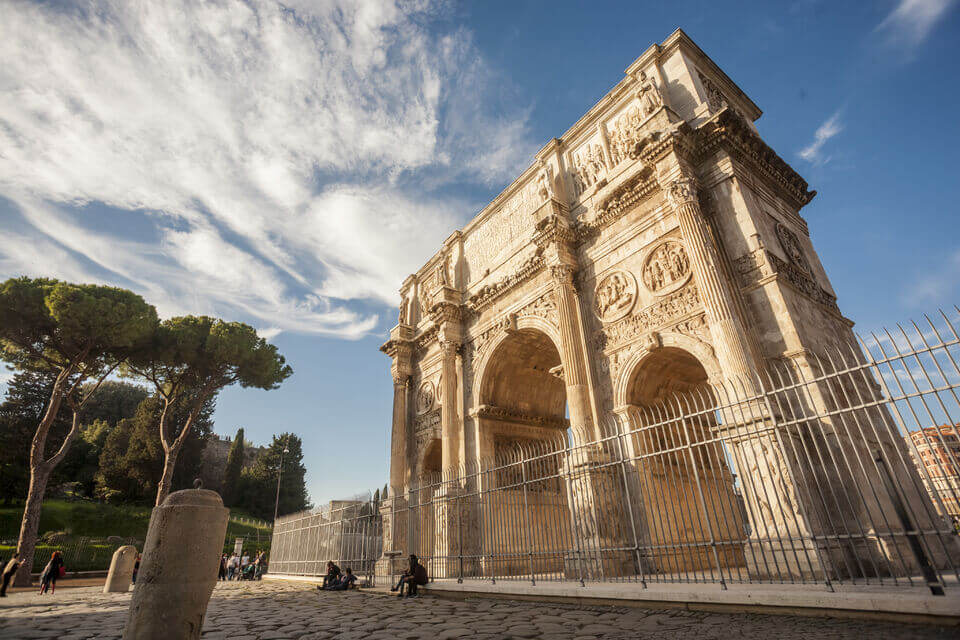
(415, 575)
(345, 582)
(333, 575)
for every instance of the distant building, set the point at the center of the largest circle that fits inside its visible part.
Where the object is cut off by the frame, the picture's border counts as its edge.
(939, 465)
(215, 460)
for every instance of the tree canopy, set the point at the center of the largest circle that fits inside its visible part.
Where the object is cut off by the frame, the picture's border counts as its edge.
(78, 332)
(190, 359)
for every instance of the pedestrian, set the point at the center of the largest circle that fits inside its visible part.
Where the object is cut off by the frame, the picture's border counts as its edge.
(222, 571)
(8, 572)
(244, 562)
(231, 566)
(136, 569)
(260, 563)
(53, 570)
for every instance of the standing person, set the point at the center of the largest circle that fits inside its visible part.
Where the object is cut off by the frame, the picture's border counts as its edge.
(8, 572)
(259, 562)
(244, 562)
(136, 569)
(222, 571)
(48, 579)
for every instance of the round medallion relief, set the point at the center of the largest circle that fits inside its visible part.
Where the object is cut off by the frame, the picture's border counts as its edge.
(667, 268)
(426, 395)
(615, 295)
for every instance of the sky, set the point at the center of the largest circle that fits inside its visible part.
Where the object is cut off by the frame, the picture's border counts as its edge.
(288, 164)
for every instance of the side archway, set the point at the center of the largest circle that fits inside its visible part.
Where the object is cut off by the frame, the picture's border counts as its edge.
(691, 508)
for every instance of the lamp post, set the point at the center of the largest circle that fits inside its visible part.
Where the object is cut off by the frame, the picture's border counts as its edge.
(276, 505)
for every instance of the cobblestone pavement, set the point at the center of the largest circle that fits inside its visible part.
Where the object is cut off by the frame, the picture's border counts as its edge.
(279, 610)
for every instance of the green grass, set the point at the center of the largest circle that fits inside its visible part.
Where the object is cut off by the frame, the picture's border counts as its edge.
(95, 522)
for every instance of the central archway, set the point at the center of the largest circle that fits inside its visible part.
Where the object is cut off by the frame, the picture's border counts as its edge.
(522, 430)
(692, 513)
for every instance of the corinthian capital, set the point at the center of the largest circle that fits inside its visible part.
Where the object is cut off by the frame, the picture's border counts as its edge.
(449, 348)
(682, 190)
(562, 273)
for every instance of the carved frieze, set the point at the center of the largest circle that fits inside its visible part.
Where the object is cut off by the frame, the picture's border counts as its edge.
(615, 296)
(654, 317)
(487, 294)
(510, 222)
(791, 247)
(754, 267)
(624, 199)
(666, 268)
(427, 427)
(694, 326)
(715, 97)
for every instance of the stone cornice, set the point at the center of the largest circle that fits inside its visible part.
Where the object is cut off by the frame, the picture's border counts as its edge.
(486, 295)
(729, 132)
(509, 415)
(621, 200)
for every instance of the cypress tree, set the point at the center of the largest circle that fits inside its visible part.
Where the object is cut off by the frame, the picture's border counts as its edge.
(231, 474)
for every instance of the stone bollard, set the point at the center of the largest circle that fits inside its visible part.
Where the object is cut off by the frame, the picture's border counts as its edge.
(121, 570)
(179, 567)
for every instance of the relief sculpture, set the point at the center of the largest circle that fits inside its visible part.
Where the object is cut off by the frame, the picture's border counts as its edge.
(589, 167)
(426, 395)
(615, 295)
(667, 268)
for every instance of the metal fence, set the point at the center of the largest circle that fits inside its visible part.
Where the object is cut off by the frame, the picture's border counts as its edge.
(804, 474)
(825, 469)
(347, 532)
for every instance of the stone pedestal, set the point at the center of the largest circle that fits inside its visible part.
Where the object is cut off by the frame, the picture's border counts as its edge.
(179, 567)
(600, 522)
(394, 559)
(121, 570)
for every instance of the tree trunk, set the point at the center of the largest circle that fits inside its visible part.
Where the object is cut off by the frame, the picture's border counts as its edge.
(169, 462)
(31, 522)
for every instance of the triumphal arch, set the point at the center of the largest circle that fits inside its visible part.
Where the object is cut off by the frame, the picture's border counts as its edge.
(655, 246)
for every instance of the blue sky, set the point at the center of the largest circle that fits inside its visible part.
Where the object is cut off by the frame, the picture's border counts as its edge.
(288, 165)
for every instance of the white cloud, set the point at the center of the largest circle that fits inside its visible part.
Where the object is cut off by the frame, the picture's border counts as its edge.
(813, 151)
(275, 152)
(912, 20)
(936, 286)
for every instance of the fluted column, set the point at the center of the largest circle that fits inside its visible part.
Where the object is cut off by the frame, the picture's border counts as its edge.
(572, 352)
(726, 328)
(450, 424)
(398, 436)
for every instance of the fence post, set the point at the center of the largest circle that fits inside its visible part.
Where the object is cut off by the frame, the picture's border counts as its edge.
(626, 486)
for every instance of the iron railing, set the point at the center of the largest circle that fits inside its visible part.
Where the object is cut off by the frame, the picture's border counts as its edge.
(347, 532)
(832, 468)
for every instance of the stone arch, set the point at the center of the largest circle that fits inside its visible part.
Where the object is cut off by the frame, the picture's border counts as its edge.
(430, 459)
(532, 323)
(521, 400)
(691, 509)
(699, 350)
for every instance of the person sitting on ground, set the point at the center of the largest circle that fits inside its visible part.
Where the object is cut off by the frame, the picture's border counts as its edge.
(414, 576)
(345, 582)
(333, 575)
(8, 572)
